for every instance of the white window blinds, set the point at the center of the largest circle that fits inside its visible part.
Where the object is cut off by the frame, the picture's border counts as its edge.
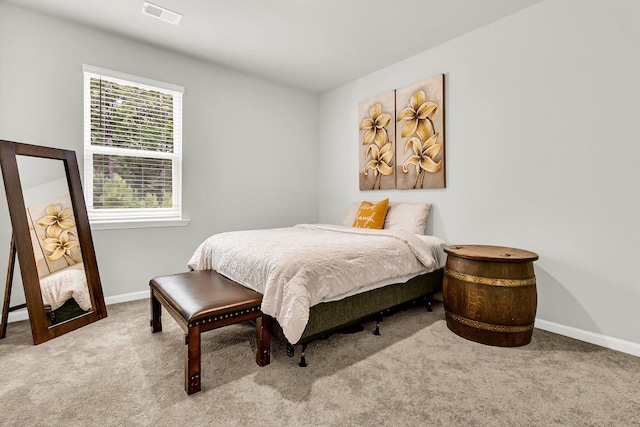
(133, 141)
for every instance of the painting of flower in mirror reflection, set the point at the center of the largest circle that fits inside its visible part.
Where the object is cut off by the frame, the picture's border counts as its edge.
(54, 235)
(377, 145)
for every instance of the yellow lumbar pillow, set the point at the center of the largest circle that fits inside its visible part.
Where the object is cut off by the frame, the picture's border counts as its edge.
(371, 215)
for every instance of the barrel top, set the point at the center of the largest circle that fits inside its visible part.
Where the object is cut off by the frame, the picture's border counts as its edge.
(491, 253)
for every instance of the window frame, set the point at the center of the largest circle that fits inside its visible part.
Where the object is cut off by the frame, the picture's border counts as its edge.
(114, 218)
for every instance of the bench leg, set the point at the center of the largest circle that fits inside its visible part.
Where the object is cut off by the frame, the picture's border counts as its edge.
(156, 313)
(192, 360)
(263, 326)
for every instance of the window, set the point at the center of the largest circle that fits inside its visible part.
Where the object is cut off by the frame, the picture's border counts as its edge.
(132, 148)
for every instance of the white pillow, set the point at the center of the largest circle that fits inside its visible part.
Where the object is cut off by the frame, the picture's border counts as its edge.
(351, 214)
(401, 216)
(407, 216)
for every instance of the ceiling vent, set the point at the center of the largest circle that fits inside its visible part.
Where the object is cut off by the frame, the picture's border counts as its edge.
(161, 13)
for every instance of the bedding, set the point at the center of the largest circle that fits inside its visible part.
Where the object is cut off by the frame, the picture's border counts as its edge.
(296, 268)
(62, 285)
(401, 216)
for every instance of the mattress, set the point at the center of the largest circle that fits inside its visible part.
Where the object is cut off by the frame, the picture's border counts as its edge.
(298, 267)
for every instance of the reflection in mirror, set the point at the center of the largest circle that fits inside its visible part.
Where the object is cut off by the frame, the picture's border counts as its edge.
(51, 241)
(54, 237)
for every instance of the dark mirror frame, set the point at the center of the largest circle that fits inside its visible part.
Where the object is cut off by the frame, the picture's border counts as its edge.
(40, 325)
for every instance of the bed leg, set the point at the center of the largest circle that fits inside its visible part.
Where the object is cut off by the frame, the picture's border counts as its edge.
(429, 309)
(303, 362)
(291, 350)
(379, 319)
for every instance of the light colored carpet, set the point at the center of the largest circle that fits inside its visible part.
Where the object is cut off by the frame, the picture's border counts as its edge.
(116, 372)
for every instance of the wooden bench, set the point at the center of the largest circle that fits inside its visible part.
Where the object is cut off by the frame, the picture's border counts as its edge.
(201, 301)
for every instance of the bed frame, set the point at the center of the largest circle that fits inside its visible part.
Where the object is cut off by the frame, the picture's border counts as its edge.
(329, 317)
(69, 310)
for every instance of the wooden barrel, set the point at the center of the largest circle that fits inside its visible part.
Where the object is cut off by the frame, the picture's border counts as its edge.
(489, 294)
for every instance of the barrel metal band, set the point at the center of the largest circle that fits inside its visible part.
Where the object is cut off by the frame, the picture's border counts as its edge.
(490, 280)
(488, 326)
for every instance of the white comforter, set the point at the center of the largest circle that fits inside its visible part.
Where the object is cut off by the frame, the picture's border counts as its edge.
(70, 282)
(298, 267)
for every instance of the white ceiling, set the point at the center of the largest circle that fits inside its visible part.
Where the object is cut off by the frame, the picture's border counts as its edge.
(312, 44)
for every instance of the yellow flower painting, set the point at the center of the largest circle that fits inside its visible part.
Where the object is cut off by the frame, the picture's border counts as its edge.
(59, 225)
(375, 126)
(377, 142)
(423, 157)
(60, 246)
(56, 220)
(380, 163)
(420, 130)
(54, 235)
(418, 116)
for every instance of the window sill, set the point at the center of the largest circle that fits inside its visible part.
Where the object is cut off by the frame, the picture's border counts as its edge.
(141, 223)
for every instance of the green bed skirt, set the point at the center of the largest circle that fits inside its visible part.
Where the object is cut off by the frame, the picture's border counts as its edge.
(66, 311)
(329, 317)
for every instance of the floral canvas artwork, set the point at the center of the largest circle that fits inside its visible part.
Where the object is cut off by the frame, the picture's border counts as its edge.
(377, 142)
(54, 235)
(401, 138)
(420, 137)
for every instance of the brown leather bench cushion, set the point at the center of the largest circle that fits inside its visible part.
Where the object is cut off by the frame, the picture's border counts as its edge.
(201, 295)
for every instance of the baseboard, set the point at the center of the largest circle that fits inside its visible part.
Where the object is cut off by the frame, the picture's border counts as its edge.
(567, 331)
(18, 315)
(590, 337)
(133, 296)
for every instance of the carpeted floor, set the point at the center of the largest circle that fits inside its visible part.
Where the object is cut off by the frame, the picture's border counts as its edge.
(117, 373)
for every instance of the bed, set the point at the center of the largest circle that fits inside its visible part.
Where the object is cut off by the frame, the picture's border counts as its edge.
(65, 294)
(319, 278)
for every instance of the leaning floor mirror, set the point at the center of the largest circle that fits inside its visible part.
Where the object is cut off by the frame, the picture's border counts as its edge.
(51, 239)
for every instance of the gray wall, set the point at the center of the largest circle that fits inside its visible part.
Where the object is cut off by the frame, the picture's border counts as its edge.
(542, 148)
(250, 145)
(542, 152)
